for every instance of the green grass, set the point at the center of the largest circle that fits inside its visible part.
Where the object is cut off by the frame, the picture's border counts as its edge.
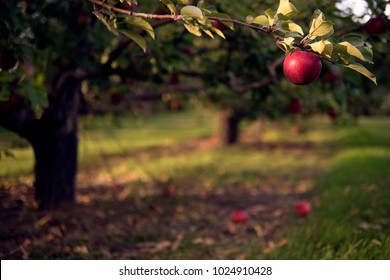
(352, 220)
(110, 136)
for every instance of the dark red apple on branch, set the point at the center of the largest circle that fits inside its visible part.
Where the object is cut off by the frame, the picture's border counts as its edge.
(376, 25)
(302, 67)
(331, 77)
(14, 103)
(174, 79)
(219, 25)
(116, 98)
(167, 193)
(188, 51)
(294, 106)
(333, 114)
(84, 18)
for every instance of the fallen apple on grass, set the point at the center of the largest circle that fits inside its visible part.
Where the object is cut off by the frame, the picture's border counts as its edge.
(303, 208)
(240, 217)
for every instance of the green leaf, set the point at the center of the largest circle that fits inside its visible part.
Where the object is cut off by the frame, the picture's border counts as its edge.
(292, 27)
(37, 97)
(271, 16)
(249, 19)
(323, 47)
(354, 39)
(319, 26)
(352, 50)
(191, 11)
(101, 17)
(286, 44)
(138, 39)
(202, 5)
(261, 20)
(367, 53)
(141, 23)
(362, 70)
(207, 30)
(219, 33)
(192, 28)
(170, 6)
(286, 8)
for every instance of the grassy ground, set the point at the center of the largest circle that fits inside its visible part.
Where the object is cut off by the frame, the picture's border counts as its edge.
(109, 136)
(161, 187)
(352, 220)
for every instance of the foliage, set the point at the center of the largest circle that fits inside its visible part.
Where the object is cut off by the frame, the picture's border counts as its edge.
(198, 19)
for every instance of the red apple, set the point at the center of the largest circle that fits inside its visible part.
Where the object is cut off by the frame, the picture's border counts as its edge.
(303, 208)
(301, 67)
(333, 114)
(331, 77)
(188, 51)
(16, 102)
(167, 193)
(174, 79)
(240, 217)
(351, 100)
(376, 25)
(175, 105)
(129, 80)
(116, 98)
(295, 106)
(84, 18)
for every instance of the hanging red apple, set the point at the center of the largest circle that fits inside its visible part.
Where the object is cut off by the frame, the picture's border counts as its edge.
(376, 25)
(302, 67)
(116, 98)
(219, 25)
(174, 79)
(294, 106)
(333, 114)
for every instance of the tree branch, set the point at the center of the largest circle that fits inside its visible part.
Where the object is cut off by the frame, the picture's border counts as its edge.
(175, 17)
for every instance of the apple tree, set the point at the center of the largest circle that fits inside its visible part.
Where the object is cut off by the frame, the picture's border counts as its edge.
(49, 49)
(243, 91)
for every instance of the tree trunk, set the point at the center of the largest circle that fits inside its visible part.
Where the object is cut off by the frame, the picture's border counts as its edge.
(55, 145)
(55, 168)
(229, 127)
